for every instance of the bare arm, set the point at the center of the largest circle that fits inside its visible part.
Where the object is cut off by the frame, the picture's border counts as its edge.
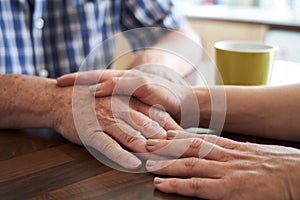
(33, 102)
(265, 111)
(272, 112)
(169, 50)
(26, 101)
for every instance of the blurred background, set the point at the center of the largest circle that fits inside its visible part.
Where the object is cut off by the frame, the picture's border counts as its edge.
(276, 21)
(272, 21)
(290, 5)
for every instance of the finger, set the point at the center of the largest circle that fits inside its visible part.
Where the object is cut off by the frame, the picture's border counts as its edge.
(228, 149)
(88, 78)
(112, 150)
(144, 124)
(108, 74)
(83, 78)
(194, 187)
(132, 86)
(66, 80)
(130, 138)
(220, 141)
(163, 118)
(189, 147)
(187, 167)
(130, 82)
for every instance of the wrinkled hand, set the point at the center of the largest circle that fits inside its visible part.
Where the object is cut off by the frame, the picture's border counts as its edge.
(213, 167)
(177, 99)
(103, 123)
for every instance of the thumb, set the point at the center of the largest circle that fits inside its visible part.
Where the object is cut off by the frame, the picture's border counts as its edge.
(66, 80)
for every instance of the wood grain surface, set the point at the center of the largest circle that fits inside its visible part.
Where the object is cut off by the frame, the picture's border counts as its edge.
(40, 164)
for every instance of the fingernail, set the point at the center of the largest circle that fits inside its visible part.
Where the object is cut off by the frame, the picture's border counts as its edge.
(151, 142)
(150, 163)
(94, 88)
(134, 163)
(171, 133)
(158, 180)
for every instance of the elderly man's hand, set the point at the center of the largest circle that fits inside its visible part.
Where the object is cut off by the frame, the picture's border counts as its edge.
(104, 123)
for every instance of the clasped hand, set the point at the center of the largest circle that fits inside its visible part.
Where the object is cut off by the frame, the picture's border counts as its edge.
(208, 167)
(105, 123)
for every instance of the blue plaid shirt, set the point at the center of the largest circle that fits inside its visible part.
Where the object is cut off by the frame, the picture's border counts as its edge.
(53, 37)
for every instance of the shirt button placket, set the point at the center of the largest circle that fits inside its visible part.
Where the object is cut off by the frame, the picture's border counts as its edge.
(37, 28)
(39, 23)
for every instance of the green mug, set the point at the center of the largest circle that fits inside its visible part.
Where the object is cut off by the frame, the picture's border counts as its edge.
(244, 62)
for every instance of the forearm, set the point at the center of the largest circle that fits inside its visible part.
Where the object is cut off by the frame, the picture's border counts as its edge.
(272, 112)
(26, 101)
(176, 50)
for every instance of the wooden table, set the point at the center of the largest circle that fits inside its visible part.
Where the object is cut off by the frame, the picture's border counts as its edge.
(40, 164)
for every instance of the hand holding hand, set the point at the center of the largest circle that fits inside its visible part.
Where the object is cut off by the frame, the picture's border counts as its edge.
(176, 98)
(103, 123)
(219, 168)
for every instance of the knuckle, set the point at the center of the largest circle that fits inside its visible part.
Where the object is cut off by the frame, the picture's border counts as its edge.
(232, 145)
(162, 117)
(132, 138)
(224, 156)
(195, 143)
(195, 186)
(151, 126)
(113, 80)
(148, 124)
(174, 184)
(240, 166)
(191, 163)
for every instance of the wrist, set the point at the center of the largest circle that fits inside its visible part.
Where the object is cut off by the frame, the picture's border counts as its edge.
(46, 96)
(204, 105)
(195, 107)
(25, 101)
(60, 101)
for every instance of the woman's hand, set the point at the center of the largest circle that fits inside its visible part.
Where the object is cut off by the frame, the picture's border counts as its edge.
(176, 98)
(213, 167)
(148, 88)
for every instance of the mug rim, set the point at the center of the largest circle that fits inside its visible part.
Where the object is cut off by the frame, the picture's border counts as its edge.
(244, 46)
